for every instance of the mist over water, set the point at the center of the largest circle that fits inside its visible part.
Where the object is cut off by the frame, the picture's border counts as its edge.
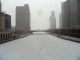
(40, 11)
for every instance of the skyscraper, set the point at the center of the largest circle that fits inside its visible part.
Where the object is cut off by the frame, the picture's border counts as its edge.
(71, 14)
(60, 20)
(27, 11)
(5, 21)
(0, 6)
(23, 18)
(66, 15)
(52, 20)
(2, 22)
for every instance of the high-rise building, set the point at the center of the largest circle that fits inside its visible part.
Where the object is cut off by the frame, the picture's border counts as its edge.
(60, 20)
(52, 20)
(23, 18)
(27, 12)
(71, 14)
(66, 15)
(2, 22)
(74, 13)
(5, 21)
(0, 6)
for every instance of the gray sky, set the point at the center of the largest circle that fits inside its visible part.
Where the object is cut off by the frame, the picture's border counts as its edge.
(40, 11)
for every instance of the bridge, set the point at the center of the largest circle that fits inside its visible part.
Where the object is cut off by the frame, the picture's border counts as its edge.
(39, 30)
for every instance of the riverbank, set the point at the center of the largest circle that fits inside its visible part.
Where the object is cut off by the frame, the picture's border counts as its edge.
(14, 38)
(66, 37)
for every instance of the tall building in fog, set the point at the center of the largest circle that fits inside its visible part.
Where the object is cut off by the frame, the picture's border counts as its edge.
(5, 21)
(71, 14)
(23, 18)
(75, 13)
(65, 15)
(2, 22)
(52, 20)
(60, 20)
(0, 6)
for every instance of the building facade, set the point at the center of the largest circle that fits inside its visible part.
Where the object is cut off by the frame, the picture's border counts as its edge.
(66, 15)
(2, 21)
(5, 21)
(70, 14)
(60, 20)
(74, 13)
(0, 6)
(6, 31)
(23, 18)
(52, 20)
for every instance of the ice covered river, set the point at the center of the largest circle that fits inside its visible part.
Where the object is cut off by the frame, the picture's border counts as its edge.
(40, 46)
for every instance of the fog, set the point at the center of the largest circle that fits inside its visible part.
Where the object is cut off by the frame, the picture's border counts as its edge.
(40, 11)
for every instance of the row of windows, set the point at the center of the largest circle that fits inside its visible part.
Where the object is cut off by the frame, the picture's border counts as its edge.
(5, 35)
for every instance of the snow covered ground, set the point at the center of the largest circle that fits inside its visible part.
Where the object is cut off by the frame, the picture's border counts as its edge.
(40, 46)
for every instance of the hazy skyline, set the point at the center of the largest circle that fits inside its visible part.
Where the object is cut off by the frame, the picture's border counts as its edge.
(40, 11)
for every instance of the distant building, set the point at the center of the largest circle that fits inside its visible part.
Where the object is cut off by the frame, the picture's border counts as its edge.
(2, 21)
(60, 20)
(23, 18)
(6, 31)
(27, 11)
(5, 21)
(52, 20)
(0, 6)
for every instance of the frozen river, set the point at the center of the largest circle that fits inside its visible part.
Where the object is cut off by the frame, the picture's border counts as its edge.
(40, 46)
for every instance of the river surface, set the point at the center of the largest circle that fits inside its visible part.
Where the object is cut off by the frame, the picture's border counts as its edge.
(40, 46)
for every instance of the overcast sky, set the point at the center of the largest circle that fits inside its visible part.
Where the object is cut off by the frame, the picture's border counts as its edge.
(40, 11)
